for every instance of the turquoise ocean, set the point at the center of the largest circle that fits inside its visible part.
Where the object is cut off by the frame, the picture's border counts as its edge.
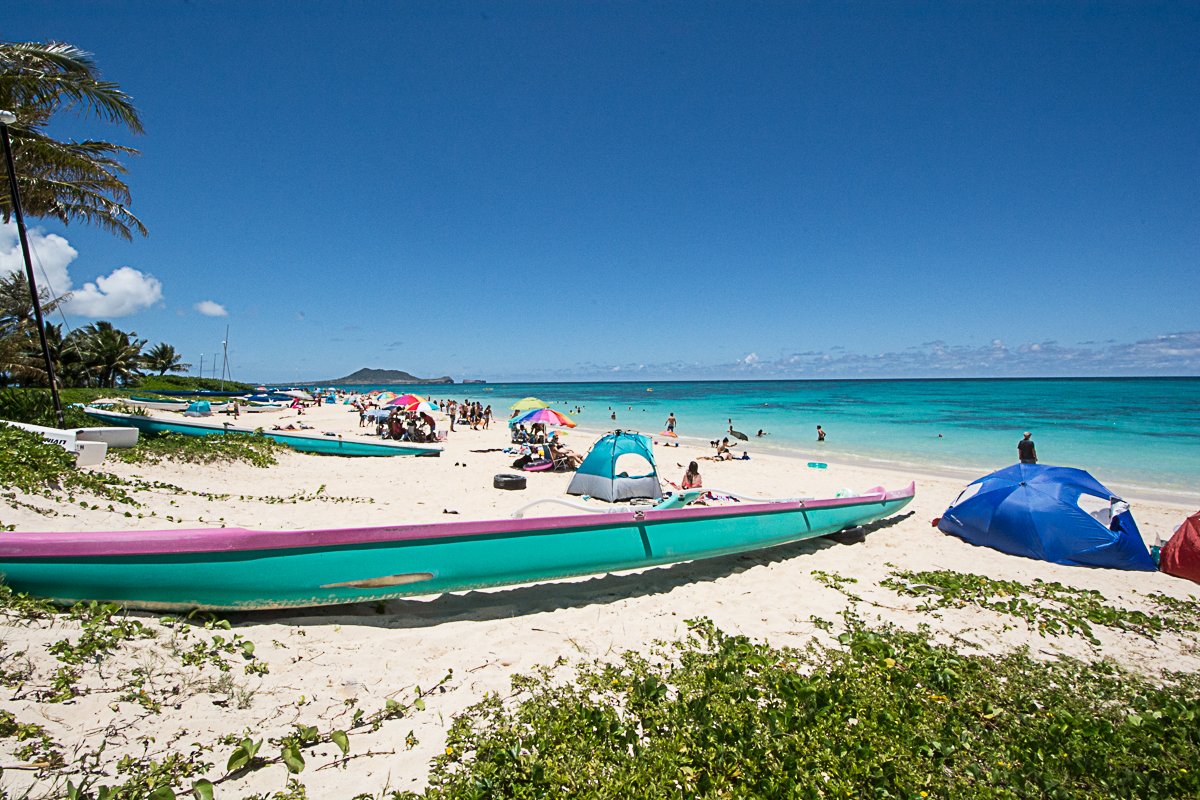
(1138, 434)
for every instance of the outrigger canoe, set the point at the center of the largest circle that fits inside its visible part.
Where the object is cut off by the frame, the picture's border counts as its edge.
(233, 569)
(305, 443)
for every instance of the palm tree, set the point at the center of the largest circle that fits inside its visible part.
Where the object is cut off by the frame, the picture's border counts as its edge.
(16, 303)
(20, 351)
(110, 356)
(163, 359)
(65, 180)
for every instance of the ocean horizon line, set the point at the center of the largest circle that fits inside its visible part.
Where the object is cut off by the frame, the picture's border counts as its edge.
(945, 378)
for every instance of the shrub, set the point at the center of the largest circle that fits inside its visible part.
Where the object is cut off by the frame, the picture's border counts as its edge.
(888, 714)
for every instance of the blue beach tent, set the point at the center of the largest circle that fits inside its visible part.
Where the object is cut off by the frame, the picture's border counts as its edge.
(600, 476)
(199, 408)
(1034, 510)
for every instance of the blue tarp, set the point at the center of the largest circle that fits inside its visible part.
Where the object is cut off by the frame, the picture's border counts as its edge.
(1033, 510)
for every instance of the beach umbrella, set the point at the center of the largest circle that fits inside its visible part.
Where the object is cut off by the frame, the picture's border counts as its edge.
(526, 403)
(405, 400)
(547, 416)
(299, 394)
(423, 406)
(1058, 514)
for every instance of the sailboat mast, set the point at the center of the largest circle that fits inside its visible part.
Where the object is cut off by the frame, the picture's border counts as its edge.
(6, 119)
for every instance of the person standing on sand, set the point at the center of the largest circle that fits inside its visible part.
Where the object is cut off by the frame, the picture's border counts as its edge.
(1026, 452)
(820, 434)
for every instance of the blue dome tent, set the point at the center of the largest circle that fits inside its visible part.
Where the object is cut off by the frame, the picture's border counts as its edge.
(1034, 510)
(598, 474)
(199, 408)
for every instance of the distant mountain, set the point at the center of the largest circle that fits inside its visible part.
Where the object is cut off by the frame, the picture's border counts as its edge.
(381, 377)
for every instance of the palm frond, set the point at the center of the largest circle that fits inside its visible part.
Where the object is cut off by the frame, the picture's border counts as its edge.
(39, 74)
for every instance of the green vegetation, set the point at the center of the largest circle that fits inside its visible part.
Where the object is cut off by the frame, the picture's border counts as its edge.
(194, 647)
(878, 712)
(29, 465)
(36, 407)
(886, 714)
(233, 447)
(165, 384)
(1048, 608)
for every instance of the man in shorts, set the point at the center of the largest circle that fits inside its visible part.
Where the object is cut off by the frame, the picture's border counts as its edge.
(1026, 452)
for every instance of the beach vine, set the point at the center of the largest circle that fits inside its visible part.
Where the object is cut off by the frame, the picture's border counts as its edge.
(884, 713)
(258, 451)
(199, 642)
(1046, 606)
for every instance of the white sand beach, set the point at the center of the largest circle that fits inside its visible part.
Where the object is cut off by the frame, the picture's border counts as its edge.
(322, 659)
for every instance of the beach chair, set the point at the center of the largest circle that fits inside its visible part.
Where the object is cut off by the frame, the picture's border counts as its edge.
(562, 463)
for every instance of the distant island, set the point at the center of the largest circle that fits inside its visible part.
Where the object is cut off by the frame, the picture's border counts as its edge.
(380, 377)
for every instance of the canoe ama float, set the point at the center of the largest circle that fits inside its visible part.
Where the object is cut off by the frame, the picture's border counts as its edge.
(325, 445)
(232, 569)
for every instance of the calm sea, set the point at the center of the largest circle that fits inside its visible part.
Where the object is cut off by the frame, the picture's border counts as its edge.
(1137, 433)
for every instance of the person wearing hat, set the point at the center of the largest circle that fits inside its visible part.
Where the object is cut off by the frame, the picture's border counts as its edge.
(1026, 452)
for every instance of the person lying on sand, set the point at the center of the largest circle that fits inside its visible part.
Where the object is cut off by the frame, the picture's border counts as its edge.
(723, 453)
(291, 426)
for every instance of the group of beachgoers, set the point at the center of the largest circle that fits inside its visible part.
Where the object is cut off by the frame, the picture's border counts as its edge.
(472, 413)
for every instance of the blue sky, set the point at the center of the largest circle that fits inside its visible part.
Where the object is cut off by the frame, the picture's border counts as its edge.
(647, 190)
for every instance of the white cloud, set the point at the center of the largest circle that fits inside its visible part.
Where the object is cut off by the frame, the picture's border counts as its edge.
(1166, 354)
(123, 292)
(51, 256)
(210, 308)
(126, 291)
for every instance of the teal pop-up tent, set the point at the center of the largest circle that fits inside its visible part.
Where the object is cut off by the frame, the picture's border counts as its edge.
(601, 476)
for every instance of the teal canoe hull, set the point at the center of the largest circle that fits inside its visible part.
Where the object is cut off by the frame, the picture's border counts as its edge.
(324, 445)
(235, 569)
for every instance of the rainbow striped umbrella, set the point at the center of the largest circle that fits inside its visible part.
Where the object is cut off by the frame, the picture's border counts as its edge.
(406, 400)
(545, 415)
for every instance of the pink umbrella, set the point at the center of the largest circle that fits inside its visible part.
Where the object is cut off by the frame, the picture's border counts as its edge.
(405, 400)
(545, 415)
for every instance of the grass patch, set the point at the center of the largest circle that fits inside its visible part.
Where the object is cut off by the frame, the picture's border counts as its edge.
(231, 447)
(32, 466)
(1050, 608)
(888, 714)
(166, 384)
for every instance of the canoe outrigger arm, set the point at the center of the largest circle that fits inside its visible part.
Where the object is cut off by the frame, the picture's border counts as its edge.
(684, 498)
